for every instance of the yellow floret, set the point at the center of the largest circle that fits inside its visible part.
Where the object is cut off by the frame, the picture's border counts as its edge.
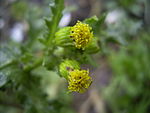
(79, 80)
(81, 34)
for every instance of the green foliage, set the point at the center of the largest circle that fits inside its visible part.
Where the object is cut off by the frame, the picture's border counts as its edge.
(29, 77)
(29, 72)
(26, 83)
(130, 83)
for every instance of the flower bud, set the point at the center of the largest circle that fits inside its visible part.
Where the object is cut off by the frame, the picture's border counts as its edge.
(79, 80)
(81, 34)
(66, 66)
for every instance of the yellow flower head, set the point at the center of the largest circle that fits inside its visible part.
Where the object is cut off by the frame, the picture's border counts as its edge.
(81, 34)
(79, 80)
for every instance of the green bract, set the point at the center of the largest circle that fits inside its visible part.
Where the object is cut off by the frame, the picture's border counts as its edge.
(66, 66)
(62, 37)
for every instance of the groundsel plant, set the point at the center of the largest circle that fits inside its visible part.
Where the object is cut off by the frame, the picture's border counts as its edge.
(27, 72)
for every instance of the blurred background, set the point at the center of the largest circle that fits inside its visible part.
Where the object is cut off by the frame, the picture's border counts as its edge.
(121, 74)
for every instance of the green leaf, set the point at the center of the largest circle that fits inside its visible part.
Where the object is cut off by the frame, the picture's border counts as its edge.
(3, 79)
(5, 56)
(101, 19)
(91, 20)
(53, 22)
(96, 22)
(8, 55)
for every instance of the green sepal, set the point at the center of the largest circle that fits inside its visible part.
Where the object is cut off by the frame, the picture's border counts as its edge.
(62, 37)
(92, 47)
(67, 66)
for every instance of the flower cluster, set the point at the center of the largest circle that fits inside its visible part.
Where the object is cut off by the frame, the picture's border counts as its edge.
(81, 37)
(79, 80)
(81, 34)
